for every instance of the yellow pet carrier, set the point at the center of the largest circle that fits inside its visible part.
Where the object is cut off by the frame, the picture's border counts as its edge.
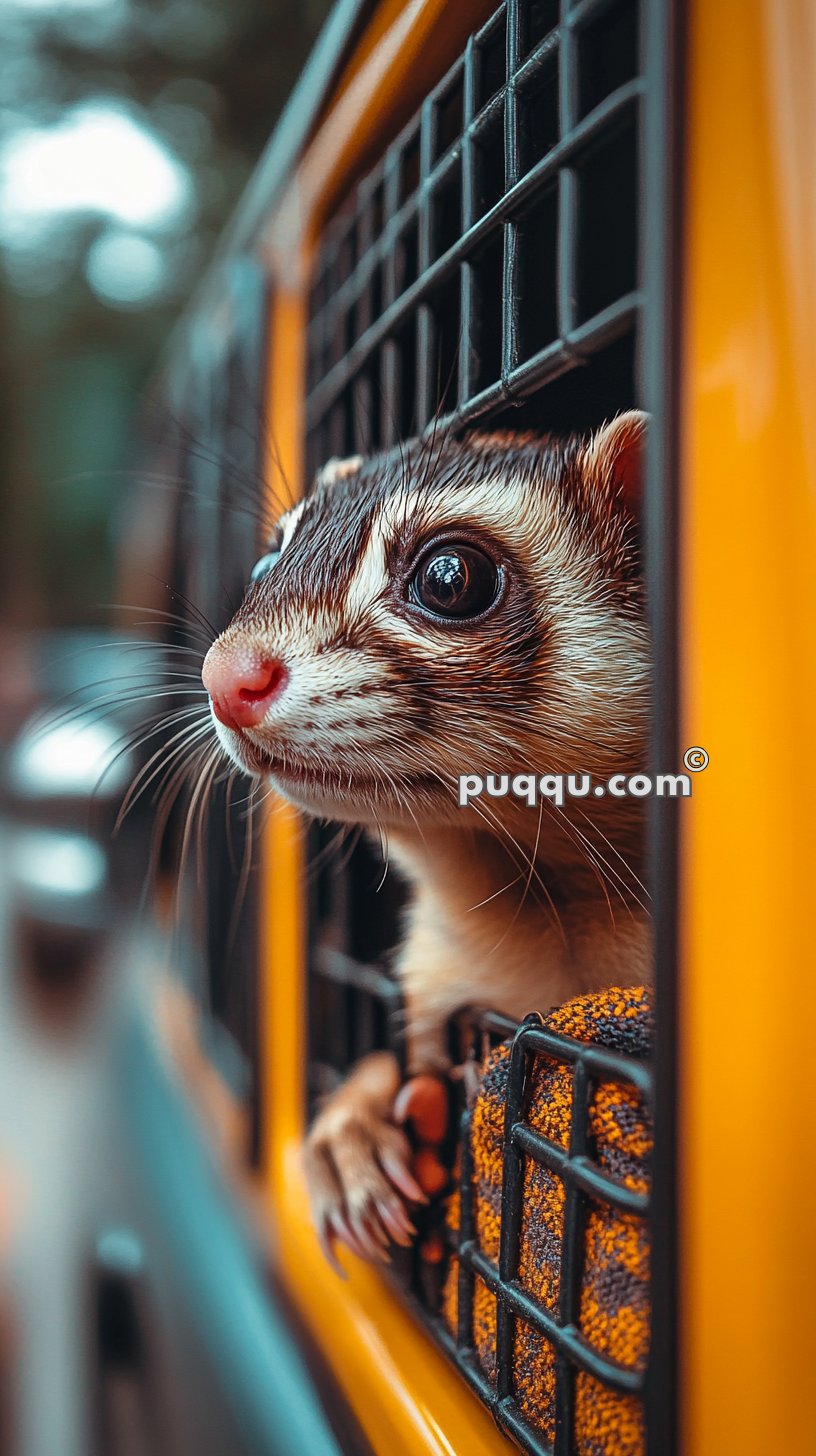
(538, 213)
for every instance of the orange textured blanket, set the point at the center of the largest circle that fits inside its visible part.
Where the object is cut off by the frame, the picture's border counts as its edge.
(613, 1301)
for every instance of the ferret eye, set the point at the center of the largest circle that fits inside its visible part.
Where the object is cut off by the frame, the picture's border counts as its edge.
(456, 581)
(263, 567)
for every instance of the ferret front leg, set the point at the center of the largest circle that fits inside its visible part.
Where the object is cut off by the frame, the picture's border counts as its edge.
(362, 1170)
(358, 1164)
(430, 970)
(430, 975)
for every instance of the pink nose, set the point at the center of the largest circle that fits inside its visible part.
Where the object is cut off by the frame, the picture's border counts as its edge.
(241, 683)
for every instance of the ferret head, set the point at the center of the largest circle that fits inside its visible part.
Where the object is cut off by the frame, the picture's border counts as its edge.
(463, 606)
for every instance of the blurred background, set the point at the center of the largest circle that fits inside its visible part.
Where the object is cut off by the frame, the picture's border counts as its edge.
(128, 129)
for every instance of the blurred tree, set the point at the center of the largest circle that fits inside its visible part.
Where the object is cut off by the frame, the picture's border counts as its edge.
(128, 129)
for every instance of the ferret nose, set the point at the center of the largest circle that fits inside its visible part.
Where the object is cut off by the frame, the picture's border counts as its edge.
(241, 683)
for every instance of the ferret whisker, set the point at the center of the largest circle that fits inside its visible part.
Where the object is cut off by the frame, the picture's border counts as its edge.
(385, 854)
(597, 830)
(326, 852)
(178, 743)
(527, 865)
(229, 777)
(245, 871)
(200, 790)
(139, 686)
(406, 804)
(196, 450)
(495, 895)
(129, 742)
(186, 766)
(533, 856)
(354, 835)
(248, 503)
(589, 855)
(107, 705)
(205, 800)
(200, 617)
(160, 650)
(161, 771)
(611, 873)
(160, 617)
(126, 644)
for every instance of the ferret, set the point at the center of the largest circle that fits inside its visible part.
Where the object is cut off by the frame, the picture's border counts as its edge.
(462, 605)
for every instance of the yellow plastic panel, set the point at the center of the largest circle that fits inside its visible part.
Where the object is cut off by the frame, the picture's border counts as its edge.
(406, 51)
(748, 987)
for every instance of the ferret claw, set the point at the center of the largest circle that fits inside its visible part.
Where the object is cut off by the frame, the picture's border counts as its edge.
(363, 1175)
(402, 1178)
(396, 1221)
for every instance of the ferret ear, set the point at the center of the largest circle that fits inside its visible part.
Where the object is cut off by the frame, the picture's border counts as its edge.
(338, 469)
(614, 458)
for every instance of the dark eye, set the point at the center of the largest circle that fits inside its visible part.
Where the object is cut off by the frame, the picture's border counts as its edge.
(263, 567)
(456, 581)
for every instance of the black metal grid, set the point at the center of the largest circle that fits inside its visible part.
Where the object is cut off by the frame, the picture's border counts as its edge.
(487, 268)
(495, 246)
(216, 422)
(585, 1182)
(353, 915)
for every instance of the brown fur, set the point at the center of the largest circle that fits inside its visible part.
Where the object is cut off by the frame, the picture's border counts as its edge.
(512, 908)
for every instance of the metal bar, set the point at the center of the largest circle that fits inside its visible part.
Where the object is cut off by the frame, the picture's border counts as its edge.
(580, 12)
(401, 213)
(572, 1248)
(511, 1197)
(389, 359)
(389, 386)
(580, 345)
(334, 965)
(535, 64)
(525, 190)
(395, 1036)
(551, 362)
(362, 407)
(662, 151)
(363, 1030)
(598, 1061)
(465, 1278)
(567, 181)
(596, 122)
(466, 279)
(391, 207)
(323, 1077)
(582, 1172)
(505, 1413)
(497, 1025)
(623, 1378)
(357, 279)
(427, 333)
(510, 279)
(487, 115)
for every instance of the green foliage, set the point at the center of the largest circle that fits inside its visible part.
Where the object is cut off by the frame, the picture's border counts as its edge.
(90, 280)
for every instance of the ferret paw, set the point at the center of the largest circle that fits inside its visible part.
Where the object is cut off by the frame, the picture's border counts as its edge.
(363, 1171)
(358, 1171)
(423, 1103)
